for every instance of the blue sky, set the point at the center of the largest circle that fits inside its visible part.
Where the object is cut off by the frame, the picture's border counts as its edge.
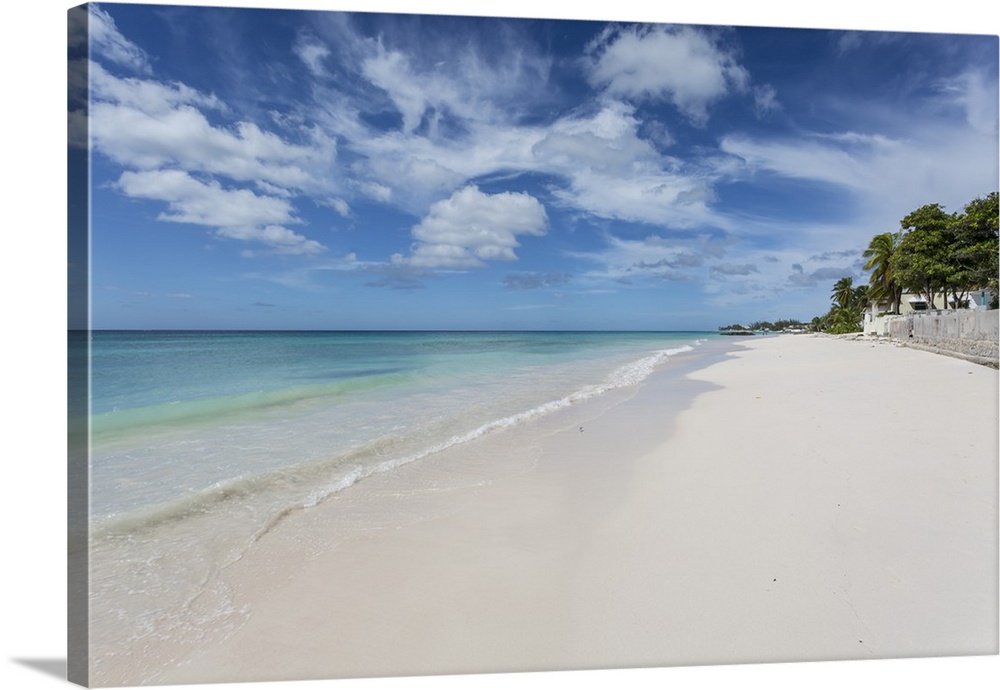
(259, 168)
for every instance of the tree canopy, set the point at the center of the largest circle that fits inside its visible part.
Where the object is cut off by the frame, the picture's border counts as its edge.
(948, 255)
(941, 256)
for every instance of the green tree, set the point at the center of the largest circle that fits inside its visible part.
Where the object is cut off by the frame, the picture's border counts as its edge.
(843, 292)
(845, 312)
(843, 320)
(921, 261)
(975, 252)
(883, 284)
(859, 299)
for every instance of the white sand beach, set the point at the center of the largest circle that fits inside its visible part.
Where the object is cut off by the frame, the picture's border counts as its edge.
(819, 499)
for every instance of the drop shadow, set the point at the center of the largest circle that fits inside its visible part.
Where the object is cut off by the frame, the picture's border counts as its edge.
(50, 667)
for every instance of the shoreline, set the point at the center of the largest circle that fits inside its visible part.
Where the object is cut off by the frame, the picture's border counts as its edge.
(702, 526)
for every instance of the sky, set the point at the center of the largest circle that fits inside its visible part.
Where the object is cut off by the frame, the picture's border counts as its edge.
(283, 169)
(34, 279)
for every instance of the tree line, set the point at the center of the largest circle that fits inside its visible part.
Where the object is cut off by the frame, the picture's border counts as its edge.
(778, 325)
(941, 256)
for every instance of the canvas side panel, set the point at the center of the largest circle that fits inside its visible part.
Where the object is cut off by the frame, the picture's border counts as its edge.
(78, 344)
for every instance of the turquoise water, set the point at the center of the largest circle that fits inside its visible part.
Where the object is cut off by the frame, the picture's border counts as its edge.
(203, 442)
(181, 419)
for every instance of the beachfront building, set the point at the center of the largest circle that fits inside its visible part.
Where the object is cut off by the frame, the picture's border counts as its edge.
(876, 316)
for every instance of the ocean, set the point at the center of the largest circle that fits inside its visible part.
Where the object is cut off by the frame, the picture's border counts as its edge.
(201, 442)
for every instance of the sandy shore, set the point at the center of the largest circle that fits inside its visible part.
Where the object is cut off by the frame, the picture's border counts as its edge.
(801, 499)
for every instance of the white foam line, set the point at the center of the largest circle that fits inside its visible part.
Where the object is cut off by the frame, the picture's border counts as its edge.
(628, 375)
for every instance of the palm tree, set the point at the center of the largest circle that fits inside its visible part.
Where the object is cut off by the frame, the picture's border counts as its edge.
(844, 320)
(884, 286)
(843, 292)
(860, 298)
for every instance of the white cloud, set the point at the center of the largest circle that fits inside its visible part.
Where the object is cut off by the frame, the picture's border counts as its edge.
(460, 122)
(376, 191)
(654, 197)
(977, 95)
(146, 124)
(809, 159)
(471, 227)
(338, 205)
(279, 240)
(607, 169)
(312, 53)
(107, 41)
(887, 176)
(653, 257)
(604, 141)
(765, 100)
(172, 153)
(391, 71)
(193, 201)
(234, 213)
(456, 80)
(147, 95)
(681, 65)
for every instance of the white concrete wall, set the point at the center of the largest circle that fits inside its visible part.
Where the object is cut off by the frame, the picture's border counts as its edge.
(969, 333)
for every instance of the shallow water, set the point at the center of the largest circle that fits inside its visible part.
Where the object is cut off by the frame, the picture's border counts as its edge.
(204, 442)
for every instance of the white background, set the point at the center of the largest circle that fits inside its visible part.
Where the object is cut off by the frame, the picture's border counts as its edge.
(33, 255)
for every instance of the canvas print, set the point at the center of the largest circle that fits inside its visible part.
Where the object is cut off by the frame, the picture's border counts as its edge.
(411, 344)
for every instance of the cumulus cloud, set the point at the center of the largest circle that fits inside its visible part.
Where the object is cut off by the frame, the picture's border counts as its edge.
(193, 201)
(679, 64)
(471, 227)
(240, 180)
(376, 191)
(146, 124)
(233, 213)
(604, 167)
(459, 121)
(339, 205)
(604, 140)
(613, 173)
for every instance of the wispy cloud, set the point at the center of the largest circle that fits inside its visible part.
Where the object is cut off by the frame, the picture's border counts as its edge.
(535, 280)
(107, 41)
